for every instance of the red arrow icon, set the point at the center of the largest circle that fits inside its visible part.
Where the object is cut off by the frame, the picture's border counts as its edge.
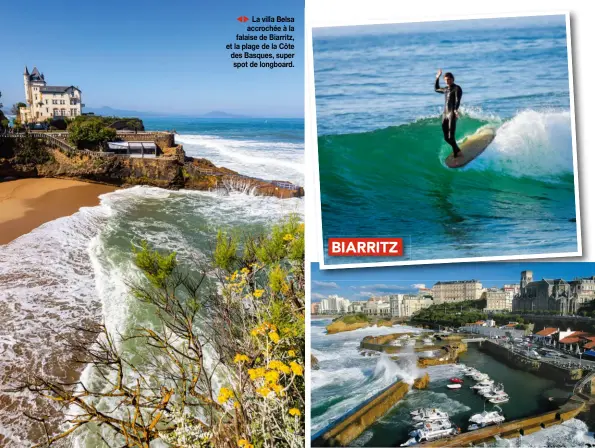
(242, 19)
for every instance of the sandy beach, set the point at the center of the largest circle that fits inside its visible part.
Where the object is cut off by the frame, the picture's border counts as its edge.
(27, 203)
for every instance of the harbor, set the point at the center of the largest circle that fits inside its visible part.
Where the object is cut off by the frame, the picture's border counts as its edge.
(487, 392)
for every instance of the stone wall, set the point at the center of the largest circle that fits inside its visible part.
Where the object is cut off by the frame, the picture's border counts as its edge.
(354, 423)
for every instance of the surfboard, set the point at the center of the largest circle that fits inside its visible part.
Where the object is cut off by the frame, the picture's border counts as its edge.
(471, 148)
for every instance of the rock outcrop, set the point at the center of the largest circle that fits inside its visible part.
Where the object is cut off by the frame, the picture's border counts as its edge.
(173, 170)
(340, 326)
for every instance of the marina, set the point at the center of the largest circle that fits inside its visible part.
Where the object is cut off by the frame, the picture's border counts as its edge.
(478, 399)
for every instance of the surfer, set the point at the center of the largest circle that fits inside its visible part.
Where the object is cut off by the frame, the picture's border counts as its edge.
(452, 100)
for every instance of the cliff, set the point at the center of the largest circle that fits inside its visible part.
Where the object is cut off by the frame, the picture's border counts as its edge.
(173, 170)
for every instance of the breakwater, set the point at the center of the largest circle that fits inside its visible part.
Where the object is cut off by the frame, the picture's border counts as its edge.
(351, 425)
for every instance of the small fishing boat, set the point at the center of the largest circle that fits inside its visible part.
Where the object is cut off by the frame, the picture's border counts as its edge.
(454, 386)
(456, 380)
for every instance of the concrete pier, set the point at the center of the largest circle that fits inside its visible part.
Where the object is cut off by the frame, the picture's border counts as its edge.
(355, 422)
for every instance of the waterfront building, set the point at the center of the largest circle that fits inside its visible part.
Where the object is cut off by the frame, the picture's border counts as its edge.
(497, 300)
(356, 307)
(406, 305)
(334, 305)
(546, 336)
(456, 291)
(511, 290)
(564, 297)
(44, 101)
(314, 307)
(377, 306)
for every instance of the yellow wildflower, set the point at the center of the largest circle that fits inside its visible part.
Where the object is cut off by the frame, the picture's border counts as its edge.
(296, 368)
(295, 411)
(280, 366)
(264, 391)
(245, 270)
(272, 376)
(288, 237)
(241, 358)
(258, 293)
(256, 373)
(224, 395)
(243, 443)
(274, 336)
(291, 353)
(277, 388)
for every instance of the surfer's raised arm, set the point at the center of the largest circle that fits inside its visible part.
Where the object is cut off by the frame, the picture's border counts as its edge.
(437, 87)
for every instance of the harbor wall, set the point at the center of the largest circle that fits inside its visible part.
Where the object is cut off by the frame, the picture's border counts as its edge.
(355, 422)
(521, 362)
(515, 428)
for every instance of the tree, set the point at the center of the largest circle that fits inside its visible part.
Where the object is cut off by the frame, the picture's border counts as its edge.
(14, 110)
(222, 364)
(89, 134)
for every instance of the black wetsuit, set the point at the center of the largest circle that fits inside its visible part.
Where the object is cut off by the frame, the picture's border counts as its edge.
(452, 100)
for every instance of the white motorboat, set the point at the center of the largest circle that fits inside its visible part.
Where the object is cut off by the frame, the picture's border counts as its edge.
(431, 431)
(502, 398)
(454, 386)
(429, 415)
(494, 392)
(480, 377)
(486, 418)
(483, 384)
(471, 371)
(422, 424)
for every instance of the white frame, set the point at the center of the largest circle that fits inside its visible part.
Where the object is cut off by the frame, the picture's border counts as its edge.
(313, 143)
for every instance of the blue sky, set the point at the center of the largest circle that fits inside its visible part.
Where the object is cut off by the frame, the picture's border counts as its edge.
(164, 56)
(360, 284)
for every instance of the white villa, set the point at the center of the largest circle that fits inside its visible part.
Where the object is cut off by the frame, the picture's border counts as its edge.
(45, 101)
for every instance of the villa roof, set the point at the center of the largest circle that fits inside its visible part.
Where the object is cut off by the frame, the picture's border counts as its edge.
(570, 340)
(590, 344)
(547, 331)
(56, 89)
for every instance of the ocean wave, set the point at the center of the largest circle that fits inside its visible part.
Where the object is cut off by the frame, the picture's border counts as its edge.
(75, 270)
(531, 144)
(258, 158)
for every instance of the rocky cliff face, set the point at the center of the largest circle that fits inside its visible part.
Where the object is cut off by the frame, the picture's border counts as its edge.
(340, 326)
(174, 171)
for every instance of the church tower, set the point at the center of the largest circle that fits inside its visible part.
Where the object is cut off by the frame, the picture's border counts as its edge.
(526, 278)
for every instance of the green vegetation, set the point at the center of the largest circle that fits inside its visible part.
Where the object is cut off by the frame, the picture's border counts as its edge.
(118, 123)
(452, 314)
(3, 119)
(353, 318)
(29, 150)
(89, 133)
(588, 309)
(223, 356)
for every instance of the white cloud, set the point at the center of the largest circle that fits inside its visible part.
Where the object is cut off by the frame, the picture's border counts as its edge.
(318, 296)
(328, 285)
(418, 286)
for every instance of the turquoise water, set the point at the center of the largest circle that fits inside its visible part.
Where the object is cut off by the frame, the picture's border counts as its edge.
(381, 149)
(76, 269)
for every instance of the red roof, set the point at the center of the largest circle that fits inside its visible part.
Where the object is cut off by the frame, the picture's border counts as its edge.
(590, 345)
(547, 331)
(569, 340)
(511, 325)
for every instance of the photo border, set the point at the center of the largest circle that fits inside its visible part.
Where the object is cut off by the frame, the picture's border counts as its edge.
(313, 125)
